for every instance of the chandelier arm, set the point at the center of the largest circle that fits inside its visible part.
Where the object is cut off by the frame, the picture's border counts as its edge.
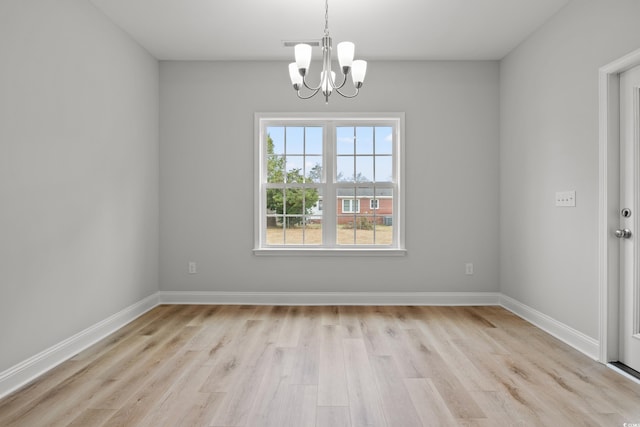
(315, 89)
(341, 85)
(313, 93)
(346, 95)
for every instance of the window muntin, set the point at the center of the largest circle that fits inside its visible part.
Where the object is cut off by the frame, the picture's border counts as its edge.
(329, 183)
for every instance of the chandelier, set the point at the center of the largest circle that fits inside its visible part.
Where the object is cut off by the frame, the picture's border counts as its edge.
(298, 70)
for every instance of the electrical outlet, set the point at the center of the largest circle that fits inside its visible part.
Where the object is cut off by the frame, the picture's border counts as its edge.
(193, 269)
(468, 269)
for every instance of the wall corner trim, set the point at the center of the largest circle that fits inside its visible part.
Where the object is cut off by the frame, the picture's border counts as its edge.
(576, 339)
(31, 368)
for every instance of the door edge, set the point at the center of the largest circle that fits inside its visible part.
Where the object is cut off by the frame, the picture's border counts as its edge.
(608, 197)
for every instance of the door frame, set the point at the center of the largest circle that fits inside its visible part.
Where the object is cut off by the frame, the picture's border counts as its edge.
(609, 203)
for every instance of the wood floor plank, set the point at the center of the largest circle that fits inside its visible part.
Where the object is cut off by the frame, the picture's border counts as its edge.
(232, 354)
(458, 361)
(301, 406)
(326, 366)
(333, 416)
(396, 402)
(238, 402)
(332, 377)
(449, 386)
(306, 368)
(349, 319)
(330, 315)
(200, 413)
(428, 403)
(145, 400)
(273, 390)
(291, 328)
(372, 325)
(181, 393)
(117, 391)
(92, 417)
(365, 404)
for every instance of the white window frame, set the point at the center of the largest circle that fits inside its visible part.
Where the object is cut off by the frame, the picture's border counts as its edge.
(331, 121)
(352, 202)
(371, 204)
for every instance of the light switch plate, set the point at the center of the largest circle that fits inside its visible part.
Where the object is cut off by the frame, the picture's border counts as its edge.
(566, 198)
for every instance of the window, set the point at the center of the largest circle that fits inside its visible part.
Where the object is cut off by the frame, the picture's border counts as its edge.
(350, 206)
(329, 183)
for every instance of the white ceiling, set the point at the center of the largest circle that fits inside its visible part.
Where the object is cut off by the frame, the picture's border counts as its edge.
(381, 29)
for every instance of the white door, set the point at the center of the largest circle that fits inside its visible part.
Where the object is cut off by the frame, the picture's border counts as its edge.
(629, 231)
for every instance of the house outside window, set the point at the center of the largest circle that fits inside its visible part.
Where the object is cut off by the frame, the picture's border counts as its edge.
(329, 183)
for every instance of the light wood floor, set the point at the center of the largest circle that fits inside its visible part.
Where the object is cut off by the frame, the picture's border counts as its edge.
(327, 366)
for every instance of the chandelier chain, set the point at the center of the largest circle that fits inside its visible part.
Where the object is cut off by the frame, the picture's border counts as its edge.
(326, 17)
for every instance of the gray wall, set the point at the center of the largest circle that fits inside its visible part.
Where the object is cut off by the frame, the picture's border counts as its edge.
(549, 142)
(206, 177)
(78, 173)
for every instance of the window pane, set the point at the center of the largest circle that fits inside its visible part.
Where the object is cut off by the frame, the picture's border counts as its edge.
(313, 141)
(275, 140)
(344, 199)
(346, 233)
(384, 139)
(313, 230)
(313, 202)
(364, 230)
(345, 169)
(384, 216)
(275, 168)
(311, 198)
(385, 201)
(313, 168)
(294, 230)
(364, 140)
(345, 140)
(295, 140)
(384, 169)
(364, 168)
(294, 201)
(275, 231)
(275, 201)
(294, 168)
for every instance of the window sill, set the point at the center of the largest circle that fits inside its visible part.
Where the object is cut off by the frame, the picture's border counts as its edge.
(387, 252)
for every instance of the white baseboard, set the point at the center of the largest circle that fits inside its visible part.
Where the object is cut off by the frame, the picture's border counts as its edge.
(331, 298)
(565, 333)
(26, 371)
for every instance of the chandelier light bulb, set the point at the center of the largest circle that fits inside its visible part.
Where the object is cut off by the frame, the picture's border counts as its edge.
(327, 85)
(359, 70)
(303, 57)
(345, 55)
(294, 74)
